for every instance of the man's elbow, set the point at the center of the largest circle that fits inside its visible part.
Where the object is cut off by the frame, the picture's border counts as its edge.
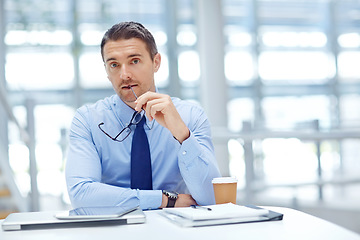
(78, 195)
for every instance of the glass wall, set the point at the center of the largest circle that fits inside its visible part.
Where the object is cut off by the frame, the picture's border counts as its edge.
(289, 63)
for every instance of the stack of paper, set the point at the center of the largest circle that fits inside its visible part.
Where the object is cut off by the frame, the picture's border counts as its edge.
(219, 214)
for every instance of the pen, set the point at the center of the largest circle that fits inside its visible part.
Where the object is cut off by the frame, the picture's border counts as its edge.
(133, 92)
(201, 207)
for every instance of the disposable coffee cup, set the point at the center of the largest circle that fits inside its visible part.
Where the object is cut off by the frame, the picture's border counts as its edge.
(225, 189)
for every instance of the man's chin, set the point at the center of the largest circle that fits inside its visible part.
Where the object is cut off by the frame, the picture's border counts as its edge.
(130, 101)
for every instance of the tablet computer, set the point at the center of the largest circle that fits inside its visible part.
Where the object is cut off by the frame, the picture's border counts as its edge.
(80, 217)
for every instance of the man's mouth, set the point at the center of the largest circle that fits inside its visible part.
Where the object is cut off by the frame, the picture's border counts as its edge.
(129, 86)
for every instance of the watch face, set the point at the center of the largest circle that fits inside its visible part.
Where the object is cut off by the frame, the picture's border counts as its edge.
(173, 195)
(170, 194)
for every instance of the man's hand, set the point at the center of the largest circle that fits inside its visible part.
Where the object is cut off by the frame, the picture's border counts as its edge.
(160, 107)
(185, 200)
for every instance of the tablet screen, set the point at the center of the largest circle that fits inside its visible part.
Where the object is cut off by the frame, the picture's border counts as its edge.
(95, 212)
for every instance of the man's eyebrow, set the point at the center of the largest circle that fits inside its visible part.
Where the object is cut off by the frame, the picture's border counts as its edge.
(110, 59)
(134, 55)
(130, 56)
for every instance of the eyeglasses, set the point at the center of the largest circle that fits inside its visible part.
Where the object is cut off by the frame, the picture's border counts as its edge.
(123, 134)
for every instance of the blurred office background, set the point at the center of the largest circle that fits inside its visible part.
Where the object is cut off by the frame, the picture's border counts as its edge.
(279, 79)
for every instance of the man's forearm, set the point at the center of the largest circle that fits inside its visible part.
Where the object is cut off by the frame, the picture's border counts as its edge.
(198, 167)
(91, 194)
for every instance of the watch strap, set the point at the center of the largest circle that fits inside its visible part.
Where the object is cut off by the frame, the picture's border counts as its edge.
(171, 202)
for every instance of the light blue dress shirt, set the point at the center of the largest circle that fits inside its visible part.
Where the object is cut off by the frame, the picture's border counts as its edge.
(98, 168)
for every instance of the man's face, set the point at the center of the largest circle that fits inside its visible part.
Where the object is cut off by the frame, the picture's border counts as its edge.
(128, 63)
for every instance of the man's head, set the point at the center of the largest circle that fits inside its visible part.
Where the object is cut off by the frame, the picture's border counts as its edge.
(128, 30)
(131, 59)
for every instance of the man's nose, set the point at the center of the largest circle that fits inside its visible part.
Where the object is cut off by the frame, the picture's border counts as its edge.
(125, 74)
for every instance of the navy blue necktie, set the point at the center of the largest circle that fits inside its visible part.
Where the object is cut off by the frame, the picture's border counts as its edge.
(141, 174)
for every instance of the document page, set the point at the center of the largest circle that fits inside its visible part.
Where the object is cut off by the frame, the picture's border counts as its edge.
(220, 211)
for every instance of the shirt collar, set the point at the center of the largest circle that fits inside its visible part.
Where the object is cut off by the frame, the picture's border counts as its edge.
(124, 113)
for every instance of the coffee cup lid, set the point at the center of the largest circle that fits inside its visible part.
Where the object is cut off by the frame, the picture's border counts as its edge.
(224, 180)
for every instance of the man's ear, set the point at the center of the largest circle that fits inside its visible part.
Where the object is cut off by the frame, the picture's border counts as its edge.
(157, 62)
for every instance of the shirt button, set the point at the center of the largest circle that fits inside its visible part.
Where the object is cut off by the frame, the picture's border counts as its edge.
(184, 153)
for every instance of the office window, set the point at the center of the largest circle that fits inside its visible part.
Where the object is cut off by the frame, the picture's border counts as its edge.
(299, 160)
(189, 66)
(239, 110)
(300, 39)
(350, 111)
(236, 161)
(186, 35)
(296, 66)
(92, 71)
(349, 40)
(34, 70)
(18, 152)
(290, 112)
(348, 67)
(350, 166)
(51, 124)
(239, 67)
(240, 63)
(38, 40)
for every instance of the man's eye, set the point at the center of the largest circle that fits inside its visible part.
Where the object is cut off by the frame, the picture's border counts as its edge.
(113, 65)
(136, 61)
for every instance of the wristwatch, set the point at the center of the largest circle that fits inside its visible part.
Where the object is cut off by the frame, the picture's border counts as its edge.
(172, 197)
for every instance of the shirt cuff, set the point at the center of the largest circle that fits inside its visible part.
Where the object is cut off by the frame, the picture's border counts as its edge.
(150, 199)
(189, 150)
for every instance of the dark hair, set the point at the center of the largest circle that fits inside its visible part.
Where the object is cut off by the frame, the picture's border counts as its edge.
(128, 30)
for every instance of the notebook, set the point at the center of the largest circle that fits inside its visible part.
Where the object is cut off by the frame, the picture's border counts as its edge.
(218, 214)
(46, 220)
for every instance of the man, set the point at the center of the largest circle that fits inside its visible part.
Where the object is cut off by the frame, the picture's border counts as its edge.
(102, 142)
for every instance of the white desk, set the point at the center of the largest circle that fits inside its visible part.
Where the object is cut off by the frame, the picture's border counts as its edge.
(295, 225)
